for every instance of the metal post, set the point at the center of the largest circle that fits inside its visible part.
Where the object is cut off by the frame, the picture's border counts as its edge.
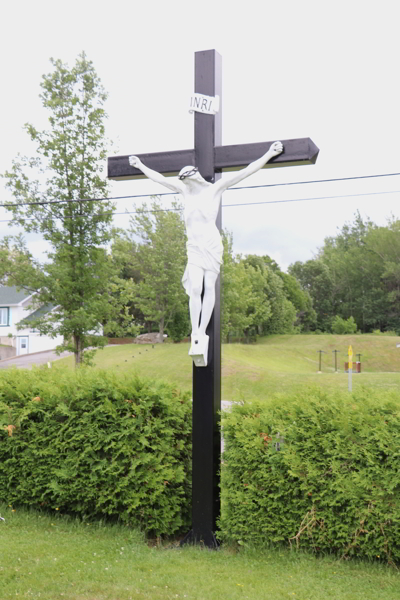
(336, 352)
(321, 352)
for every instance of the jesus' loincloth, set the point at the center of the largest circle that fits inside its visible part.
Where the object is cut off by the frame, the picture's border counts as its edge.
(208, 258)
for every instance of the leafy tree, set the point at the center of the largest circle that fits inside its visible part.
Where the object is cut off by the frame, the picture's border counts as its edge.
(159, 260)
(384, 244)
(236, 293)
(306, 317)
(179, 326)
(283, 315)
(67, 167)
(15, 258)
(305, 314)
(342, 327)
(355, 273)
(126, 277)
(254, 299)
(315, 278)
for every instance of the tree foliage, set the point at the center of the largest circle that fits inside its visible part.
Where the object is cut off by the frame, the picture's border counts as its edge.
(49, 190)
(15, 258)
(344, 326)
(151, 255)
(255, 301)
(356, 274)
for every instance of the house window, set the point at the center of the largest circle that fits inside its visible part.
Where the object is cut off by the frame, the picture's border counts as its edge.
(4, 316)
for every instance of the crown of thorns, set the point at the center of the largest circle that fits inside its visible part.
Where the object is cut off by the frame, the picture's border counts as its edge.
(188, 173)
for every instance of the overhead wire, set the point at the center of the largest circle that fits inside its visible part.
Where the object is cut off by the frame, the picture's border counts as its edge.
(248, 187)
(141, 211)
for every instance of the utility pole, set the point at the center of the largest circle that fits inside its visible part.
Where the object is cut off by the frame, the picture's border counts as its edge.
(336, 352)
(321, 352)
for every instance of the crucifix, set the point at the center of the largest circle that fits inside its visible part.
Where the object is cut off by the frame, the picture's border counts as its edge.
(199, 171)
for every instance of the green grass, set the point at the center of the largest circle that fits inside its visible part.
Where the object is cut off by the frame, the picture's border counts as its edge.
(52, 557)
(275, 364)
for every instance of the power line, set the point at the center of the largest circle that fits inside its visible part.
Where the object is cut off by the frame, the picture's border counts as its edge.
(317, 181)
(316, 198)
(223, 205)
(249, 187)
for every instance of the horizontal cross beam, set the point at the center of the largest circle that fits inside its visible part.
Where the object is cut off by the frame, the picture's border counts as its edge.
(301, 151)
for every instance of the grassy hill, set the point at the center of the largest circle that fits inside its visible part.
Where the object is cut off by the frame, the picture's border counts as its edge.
(275, 364)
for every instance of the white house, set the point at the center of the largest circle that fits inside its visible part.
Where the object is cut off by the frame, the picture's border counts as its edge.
(14, 308)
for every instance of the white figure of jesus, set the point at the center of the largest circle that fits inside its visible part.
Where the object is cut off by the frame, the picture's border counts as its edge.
(204, 243)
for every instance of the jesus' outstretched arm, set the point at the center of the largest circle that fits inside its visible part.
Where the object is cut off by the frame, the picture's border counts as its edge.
(225, 183)
(175, 186)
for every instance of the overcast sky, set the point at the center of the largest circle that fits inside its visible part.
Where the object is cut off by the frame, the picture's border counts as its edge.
(318, 69)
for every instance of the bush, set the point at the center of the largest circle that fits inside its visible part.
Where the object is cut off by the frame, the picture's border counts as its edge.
(342, 327)
(315, 471)
(387, 333)
(96, 445)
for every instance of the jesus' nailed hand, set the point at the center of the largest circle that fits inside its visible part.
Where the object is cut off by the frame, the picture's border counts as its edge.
(204, 245)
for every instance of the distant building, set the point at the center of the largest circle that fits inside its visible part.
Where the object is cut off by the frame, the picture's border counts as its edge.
(16, 306)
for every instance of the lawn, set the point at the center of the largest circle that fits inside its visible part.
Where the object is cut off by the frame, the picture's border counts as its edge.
(52, 557)
(275, 364)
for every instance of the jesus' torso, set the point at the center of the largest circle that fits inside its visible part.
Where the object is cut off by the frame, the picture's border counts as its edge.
(200, 214)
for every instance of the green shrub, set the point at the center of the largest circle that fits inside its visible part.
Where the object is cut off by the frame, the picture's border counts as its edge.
(343, 327)
(96, 445)
(387, 333)
(332, 486)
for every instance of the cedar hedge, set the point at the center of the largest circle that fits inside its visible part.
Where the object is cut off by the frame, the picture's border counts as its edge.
(315, 470)
(96, 445)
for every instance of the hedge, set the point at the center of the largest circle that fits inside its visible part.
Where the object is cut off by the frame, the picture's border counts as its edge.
(315, 470)
(96, 445)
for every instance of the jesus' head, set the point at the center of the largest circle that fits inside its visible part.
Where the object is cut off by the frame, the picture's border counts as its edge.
(190, 175)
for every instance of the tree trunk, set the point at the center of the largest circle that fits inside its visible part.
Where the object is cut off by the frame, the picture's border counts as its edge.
(78, 351)
(161, 330)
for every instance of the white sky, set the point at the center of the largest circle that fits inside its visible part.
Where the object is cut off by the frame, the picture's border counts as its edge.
(318, 69)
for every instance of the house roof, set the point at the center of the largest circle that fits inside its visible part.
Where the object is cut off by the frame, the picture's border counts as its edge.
(43, 310)
(10, 294)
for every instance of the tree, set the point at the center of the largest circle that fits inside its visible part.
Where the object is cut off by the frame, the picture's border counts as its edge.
(384, 244)
(344, 326)
(301, 299)
(239, 301)
(159, 260)
(355, 273)
(276, 293)
(315, 278)
(69, 159)
(306, 317)
(15, 258)
(254, 298)
(283, 315)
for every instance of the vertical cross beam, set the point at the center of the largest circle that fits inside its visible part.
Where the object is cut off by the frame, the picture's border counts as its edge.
(211, 158)
(206, 435)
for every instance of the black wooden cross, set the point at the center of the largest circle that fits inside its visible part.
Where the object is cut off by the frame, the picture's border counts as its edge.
(212, 159)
